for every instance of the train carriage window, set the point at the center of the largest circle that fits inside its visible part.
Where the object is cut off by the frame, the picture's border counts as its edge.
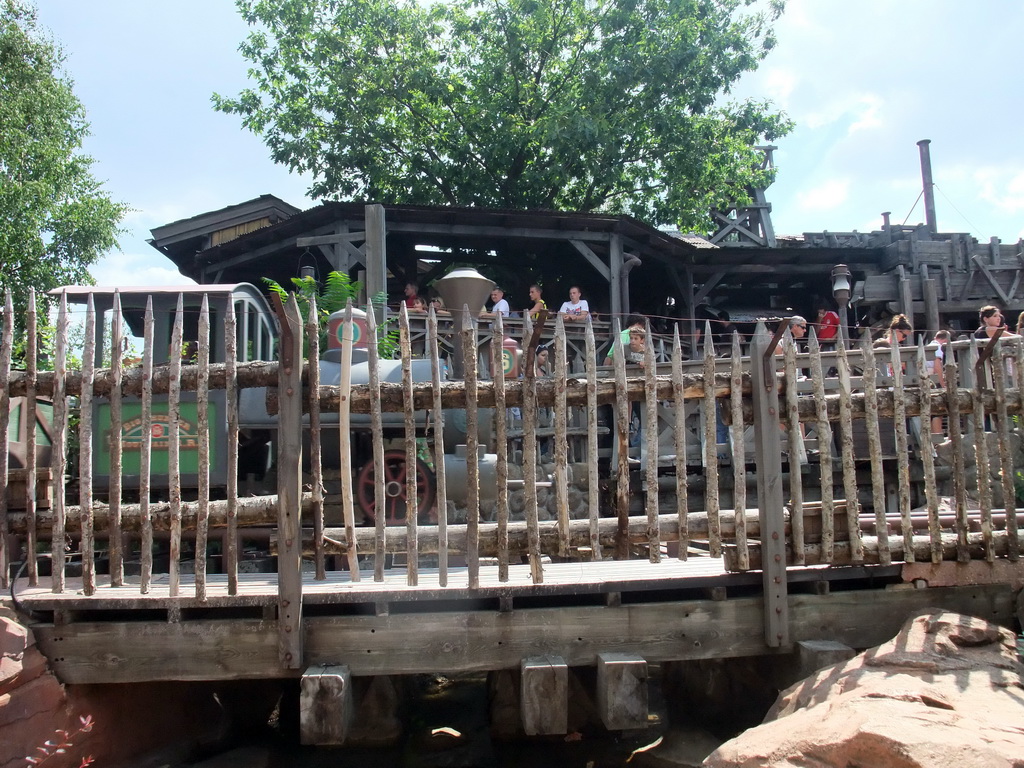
(254, 333)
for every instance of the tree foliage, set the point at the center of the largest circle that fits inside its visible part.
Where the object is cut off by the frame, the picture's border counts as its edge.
(55, 219)
(590, 105)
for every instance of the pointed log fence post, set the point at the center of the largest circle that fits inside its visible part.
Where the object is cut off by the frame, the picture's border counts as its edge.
(768, 456)
(289, 486)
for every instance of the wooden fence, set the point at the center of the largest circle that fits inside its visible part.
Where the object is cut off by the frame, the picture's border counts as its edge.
(824, 455)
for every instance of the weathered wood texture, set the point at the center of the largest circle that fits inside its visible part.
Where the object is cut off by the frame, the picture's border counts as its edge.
(669, 416)
(116, 652)
(622, 691)
(326, 705)
(544, 695)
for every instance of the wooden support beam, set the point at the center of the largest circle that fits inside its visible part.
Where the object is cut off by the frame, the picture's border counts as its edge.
(764, 387)
(289, 486)
(708, 286)
(976, 260)
(339, 237)
(474, 641)
(812, 655)
(593, 259)
(326, 705)
(622, 691)
(376, 256)
(544, 695)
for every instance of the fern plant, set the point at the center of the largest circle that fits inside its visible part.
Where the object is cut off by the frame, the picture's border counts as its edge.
(338, 290)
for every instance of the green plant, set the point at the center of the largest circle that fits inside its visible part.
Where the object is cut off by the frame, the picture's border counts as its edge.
(338, 290)
(1018, 487)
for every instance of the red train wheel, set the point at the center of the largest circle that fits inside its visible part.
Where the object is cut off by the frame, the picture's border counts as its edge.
(395, 490)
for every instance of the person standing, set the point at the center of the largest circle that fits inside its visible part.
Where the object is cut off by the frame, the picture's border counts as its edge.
(576, 308)
(937, 368)
(411, 294)
(990, 320)
(499, 305)
(536, 297)
(826, 326)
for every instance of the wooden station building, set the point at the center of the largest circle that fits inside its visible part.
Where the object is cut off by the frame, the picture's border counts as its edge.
(620, 263)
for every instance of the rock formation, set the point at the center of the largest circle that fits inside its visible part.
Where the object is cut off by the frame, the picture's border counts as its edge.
(946, 691)
(33, 704)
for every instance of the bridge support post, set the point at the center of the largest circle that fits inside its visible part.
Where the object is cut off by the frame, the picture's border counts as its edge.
(812, 655)
(544, 695)
(622, 691)
(326, 705)
(289, 486)
(768, 455)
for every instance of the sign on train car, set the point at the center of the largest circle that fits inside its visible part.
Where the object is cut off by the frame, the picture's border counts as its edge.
(256, 333)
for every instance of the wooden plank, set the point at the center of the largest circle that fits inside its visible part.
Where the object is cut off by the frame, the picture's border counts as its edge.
(849, 473)
(824, 432)
(651, 451)
(561, 445)
(928, 459)
(440, 476)
(679, 439)
(231, 406)
(117, 426)
(775, 629)
(903, 449)
(1018, 371)
(469, 349)
(145, 455)
(529, 411)
(739, 463)
(115, 652)
(956, 443)
(622, 418)
(593, 487)
(377, 438)
(376, 254)
(875, 447)
(797, 453)
(711, 499)
(1006, 469)
(203, 427)
(326, 705)
(622, 691)
(288, 628)
(29, 418)
(58, 455)
(173, 451)
(544, 695)
(85, 427)
(315, 437)
(6, 348)
(344, 434)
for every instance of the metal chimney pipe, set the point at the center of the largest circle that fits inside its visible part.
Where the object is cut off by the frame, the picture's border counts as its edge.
(929, 186)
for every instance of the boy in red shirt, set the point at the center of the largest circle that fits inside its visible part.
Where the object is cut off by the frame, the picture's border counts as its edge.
(826, 326)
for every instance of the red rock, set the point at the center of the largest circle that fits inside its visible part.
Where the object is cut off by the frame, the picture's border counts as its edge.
(946, 691)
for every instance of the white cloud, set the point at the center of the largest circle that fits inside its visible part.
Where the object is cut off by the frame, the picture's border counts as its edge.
(861, 111)
(828, 196)
(1002, 188)
(125, 269)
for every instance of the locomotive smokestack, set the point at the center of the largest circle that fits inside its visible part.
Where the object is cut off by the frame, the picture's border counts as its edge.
(929, 185)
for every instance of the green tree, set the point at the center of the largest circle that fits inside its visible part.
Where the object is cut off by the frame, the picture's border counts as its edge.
(591, 105)
(55, 220)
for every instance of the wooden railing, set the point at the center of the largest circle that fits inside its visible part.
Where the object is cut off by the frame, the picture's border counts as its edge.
(770, 460)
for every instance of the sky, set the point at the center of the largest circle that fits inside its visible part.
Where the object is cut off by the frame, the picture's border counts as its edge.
(864, 81)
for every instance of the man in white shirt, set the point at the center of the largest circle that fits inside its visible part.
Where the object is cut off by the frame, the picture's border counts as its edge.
(500, 305)
(575, 308)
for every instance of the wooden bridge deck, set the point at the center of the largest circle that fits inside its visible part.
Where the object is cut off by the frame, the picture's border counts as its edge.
(566, 580)
(668, 611)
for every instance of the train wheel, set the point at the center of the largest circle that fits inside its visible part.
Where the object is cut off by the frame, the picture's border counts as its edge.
(395, 490)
